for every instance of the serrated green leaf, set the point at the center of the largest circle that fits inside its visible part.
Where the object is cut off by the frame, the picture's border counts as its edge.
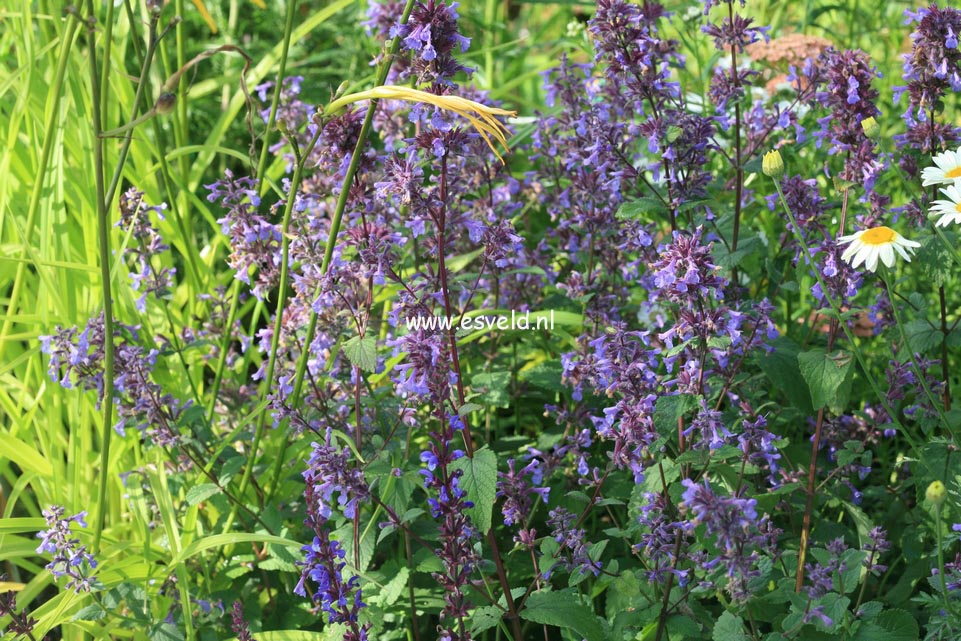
(828, 376)
(493, 387)
(644, 208)
(890, 625)
(668, 409)
(479, 481)
(729, 627)
(935, 260)
(200, 493)
(362, 352)
(922, 336)
(485, 618)
(563, 610)
(90, 613)
(395, 587)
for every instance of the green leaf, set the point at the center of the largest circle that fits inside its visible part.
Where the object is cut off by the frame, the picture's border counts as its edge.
(90, 613)
(485, 618)
(165, 632)
(935, 260)
(563, 610)
(745, 247)
(828, 376)
(669, 409)
(890, 625)
(623, 594)
(493, 387)
(23, 455)
(781, 368)
(729, 627)
(362, 352)
(643, 208)
(546, 376)
(922, 336)
(395, 587)
(480, 483)
(200, 493)
(230, 538)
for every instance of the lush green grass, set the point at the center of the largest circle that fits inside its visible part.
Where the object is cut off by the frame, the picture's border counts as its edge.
(51, 438)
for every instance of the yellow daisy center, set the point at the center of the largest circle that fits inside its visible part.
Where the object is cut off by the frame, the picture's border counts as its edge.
(953, 173)
(878, 236)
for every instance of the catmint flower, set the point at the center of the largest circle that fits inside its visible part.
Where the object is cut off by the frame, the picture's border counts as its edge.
(329, 472)
(239, 624)
(574, 548)
(70, 558)
(141, 403)
(517, 490)
(145, 243)
(735, 33)
(21, 623)
(876, 545)
(255, 242)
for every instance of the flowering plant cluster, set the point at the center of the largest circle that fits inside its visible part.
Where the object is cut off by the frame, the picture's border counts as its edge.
(741, 424)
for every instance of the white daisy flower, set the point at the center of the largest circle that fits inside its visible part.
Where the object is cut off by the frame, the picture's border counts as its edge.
(868, 245)
(948, 210)
(946, 171)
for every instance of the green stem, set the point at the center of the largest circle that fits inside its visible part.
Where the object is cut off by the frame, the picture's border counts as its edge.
(932, 399)
(103, 238)
(152, 41)
(107, 50)
(275, 99)
(944, 584)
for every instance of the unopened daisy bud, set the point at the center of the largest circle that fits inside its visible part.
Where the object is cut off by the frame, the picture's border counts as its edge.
(871, 128)
(936, 493)
(772, 164)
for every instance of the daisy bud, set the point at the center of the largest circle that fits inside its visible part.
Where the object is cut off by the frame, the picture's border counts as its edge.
(936, 493)
(772, 164)
(871, 128)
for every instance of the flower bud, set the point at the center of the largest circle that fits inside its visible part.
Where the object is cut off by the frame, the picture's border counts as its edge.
(772, 164)
(871, 128)
(166, 102)
(936, 493)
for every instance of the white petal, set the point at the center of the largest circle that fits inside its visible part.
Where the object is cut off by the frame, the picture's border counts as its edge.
(872, 262)
(850, 237)
(863, 254)
(932, 176)
(851, 251)
(887, 255)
